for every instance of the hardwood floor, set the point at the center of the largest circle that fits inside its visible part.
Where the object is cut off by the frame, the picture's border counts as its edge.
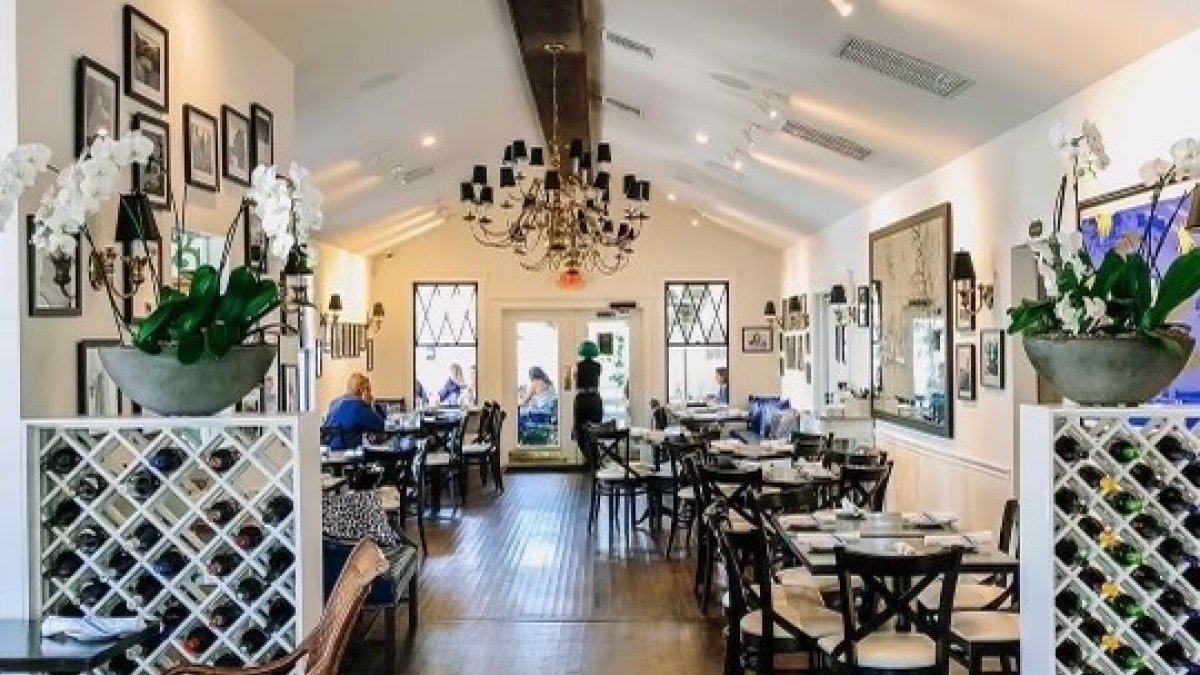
(515, 585)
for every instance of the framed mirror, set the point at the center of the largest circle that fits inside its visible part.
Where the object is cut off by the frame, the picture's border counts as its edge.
(911, 339)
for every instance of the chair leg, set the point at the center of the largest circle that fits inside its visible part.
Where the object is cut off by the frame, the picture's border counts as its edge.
(593, 507)
(674, 524)
(413, 607)
(389, 624)
(497, 472)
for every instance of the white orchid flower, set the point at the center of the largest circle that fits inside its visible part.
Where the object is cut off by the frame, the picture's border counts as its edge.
(1096, 310)
(1049, 279)
(1152, 172)
(1068, 314)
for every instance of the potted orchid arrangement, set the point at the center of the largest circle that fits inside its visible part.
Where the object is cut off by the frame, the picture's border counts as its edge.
(201, 350)
(1103, 333)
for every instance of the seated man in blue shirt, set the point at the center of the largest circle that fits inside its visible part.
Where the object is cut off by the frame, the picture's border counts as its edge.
(351, 415)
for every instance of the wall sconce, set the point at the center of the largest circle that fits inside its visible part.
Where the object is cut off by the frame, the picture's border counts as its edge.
(843, 312)
(135, 225)
(793, 316)
(334, 311)
(973, 297)
(377, 315)
(348, 339)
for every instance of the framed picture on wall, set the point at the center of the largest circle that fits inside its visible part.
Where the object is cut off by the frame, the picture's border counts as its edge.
(141, 301)
(289, 388)
(147, 60)
(255, 251)
(370, 354)
(154, 179)
(319, 357)
(991, 358)
(964, 371)
(252, 402)
(53, 279)
(235, 146)
(97, 103)
(200, 147)
(758, 339)
(97, 394)
(262, 136)
(863, 306)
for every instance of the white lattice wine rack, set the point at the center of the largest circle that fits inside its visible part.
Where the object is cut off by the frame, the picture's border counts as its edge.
(125, 532)
(1110, 560)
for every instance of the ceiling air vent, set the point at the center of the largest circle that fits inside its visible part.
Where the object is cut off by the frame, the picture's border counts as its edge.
(732, 81)
(629, 44)
(405, 176)
(624, 107)
(911, 70)
(828, 140)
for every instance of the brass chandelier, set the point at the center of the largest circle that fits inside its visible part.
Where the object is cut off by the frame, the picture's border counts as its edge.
(563, 216)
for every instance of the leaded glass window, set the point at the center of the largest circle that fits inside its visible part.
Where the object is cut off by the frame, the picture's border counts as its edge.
(445, 342)
(697, 331)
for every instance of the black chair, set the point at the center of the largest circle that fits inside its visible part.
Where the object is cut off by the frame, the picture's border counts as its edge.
(868, 644)
(680, 484)
(864, 486)
(395, 475)
(731, 488)
(483, 450)
(443, 470)
(615, 477)
(992, 592)
(808, 447)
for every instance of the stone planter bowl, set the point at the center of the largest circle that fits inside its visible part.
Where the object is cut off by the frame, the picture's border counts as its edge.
(160, 383)
(1101, 370)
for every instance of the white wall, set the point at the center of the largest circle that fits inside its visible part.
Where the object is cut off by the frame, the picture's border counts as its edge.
(669, 249)
(340, 271)
(215, 59)
(995, 191)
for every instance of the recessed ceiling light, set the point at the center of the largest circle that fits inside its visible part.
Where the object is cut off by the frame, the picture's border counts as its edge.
(737, 165)
(772, 113)
(701, 138)
(695, 222)
(843, 7)
(428, 141)
(670, 196)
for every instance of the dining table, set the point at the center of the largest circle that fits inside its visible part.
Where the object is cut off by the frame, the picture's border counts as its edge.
(24, 649)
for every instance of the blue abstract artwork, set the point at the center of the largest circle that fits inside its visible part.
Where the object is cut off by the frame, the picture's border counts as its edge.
(1129, 222)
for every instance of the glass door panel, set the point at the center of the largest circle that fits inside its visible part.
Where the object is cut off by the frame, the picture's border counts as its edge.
(538, 404)
(613, 338)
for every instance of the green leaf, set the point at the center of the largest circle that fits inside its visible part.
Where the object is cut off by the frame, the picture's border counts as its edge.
(1181, 282)
(219, 338)
(190, 348)
(264, 300)
(1110, 273)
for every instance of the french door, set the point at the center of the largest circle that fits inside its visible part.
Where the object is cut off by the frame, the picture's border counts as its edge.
(539, 379)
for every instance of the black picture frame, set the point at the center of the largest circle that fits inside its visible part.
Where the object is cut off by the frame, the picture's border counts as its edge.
(43, 304)
(154, 180)
(319, 361)
(83, 370)
(235, 146)
(964, 371)
(863, 306)
(992, 364)
(262, 136)
(255, 247)
(88, 105)
(289, 388)
(201, 140)
(964, 318)
(758, 339)
(144, 39)
(138, 306)
(252, 403)
(370, 348)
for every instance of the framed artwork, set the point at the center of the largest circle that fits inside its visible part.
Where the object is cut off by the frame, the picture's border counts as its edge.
(252, 402)
(912, 342)
(808, 373)
(139, 304)
(53, 280)
(289, 388)
(147, 60)
(789, 352)
(255, 252)
(964, 318)
(97, 395)
(262, 136)
(200, 149)
(991, 358)
(964, 371)
(154, 179)
(97, 103)
(370, 354)
(863, 306)
(758, 339)
(235, 146)
(319, 350)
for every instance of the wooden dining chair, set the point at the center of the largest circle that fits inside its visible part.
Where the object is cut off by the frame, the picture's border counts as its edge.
(617, 478)
(989, 593)
(322, 650)
(680, 484)
(864, 486)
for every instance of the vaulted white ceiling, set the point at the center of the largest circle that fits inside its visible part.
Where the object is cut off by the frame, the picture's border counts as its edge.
(375, 77)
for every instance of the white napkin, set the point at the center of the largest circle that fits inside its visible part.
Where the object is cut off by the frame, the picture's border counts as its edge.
(965, 539)
(825, 540)
(727, 445)
(777, 444)
(824, 516)
(638, 432)
(93, 628)
(930, 517)
(799, 520)
(848, 508)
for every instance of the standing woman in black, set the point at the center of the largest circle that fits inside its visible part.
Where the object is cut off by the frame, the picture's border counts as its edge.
(589, 407)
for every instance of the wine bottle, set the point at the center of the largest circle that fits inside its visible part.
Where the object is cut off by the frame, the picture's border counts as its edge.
(249, 589)
(1092, 628)
(1177, 657)
(1093, 579)
(62, 460)
(1069, 450)
(221, 512)
(224, 615)
(227, 660)
(1125, 606)
(1147, 577)
(1171, 448)
(119, 563)
(277, 509)
(169, 564)
(1068, 501)
(1147, 526)
(167, 460)
(121, 665)
(89, 539)
(279, 613)
(1069, 654)
(145, 536)
(222, 459)
(249, 537)
(1126, 658)
(64, 565)
(279, 561)
(1192, 524)
(1125, 503)
(90, 487)
(1069, 553)
(253, 640)
(1124, 451)
(1191, 473)
(1176, 553)
(1121, 552)
(92, 593)
(1145, 476)
(173, 615)
(146, 589)
(1176, 604)
(198, 640)
(144, 484)
(1149, 630)
(223, 564)
(1175, 501)
(1091, 527)
(65, 513)
(69, 609)
(1091, 475)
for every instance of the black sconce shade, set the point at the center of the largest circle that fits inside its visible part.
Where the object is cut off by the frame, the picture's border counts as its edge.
(837, 295)
(552, 182)
(537, 157)
(485, 195)
(769, 311)
(466, 192)
(963, 268)
(604, 153)
(335, 302)
(377, 311)
(576, 151)
(507, 177)
(479, 175)
(794, 304)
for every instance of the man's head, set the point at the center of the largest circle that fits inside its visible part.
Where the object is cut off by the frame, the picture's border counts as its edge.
(358, 385)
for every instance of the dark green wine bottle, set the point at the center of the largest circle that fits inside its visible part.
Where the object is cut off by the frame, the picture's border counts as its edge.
(1125, 503)
(1125, 606)
(1068, 602)
(1125, 555)
(1147, 577)
(1091, 475)
(1093, 579)
(1175, 501)
(1145, 476)
(1093, 629)
(1149, 630)
(1124, 451)
(1126, 658)
(1069, 450)
(1091, 527)
(1147, 526)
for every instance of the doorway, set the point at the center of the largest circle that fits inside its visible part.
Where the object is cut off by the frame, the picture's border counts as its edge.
(539, 372)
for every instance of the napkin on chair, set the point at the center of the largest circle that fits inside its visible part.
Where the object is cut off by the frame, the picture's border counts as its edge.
(92, 628)
(964, 539)
(825, 540)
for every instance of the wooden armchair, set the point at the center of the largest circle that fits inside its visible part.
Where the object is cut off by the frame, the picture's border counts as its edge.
(323, 648)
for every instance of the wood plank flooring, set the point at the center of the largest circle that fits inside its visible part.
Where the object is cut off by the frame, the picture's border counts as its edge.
(515, 585)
